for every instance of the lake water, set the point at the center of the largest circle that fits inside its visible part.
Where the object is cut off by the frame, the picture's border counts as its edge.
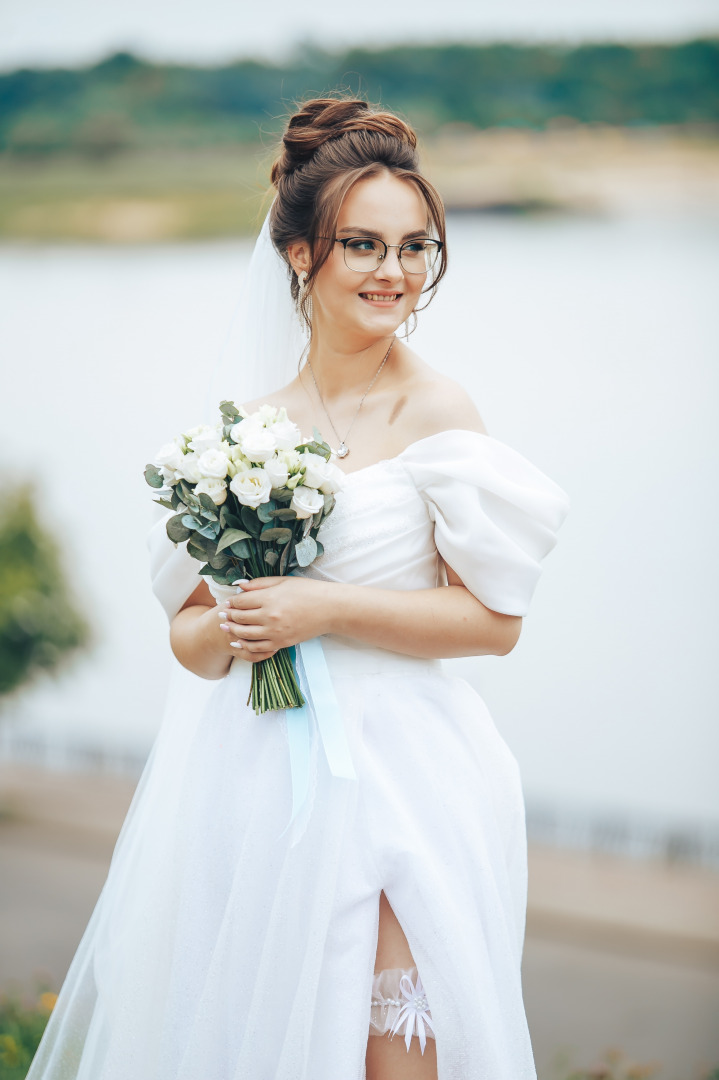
(590, 345)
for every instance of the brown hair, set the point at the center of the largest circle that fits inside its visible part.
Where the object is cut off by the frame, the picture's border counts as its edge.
(328, 146)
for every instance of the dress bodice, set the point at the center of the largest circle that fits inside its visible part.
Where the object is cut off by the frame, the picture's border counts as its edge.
(457, 496)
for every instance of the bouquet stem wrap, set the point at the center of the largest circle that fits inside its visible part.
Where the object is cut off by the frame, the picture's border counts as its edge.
(273, 684)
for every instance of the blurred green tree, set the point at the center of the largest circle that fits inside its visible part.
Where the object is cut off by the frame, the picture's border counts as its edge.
(39, 622)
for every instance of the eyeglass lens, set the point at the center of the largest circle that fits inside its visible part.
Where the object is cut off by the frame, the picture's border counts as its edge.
(365, 253)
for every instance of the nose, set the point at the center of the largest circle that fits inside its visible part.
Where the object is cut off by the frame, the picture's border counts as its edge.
(390, 268)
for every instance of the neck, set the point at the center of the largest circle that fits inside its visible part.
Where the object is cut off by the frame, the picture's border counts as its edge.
(344, 368)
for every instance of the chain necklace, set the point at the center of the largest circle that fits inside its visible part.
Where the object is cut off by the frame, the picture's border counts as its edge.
(343, 449)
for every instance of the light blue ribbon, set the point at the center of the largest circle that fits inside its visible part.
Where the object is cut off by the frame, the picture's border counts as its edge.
(321, 703)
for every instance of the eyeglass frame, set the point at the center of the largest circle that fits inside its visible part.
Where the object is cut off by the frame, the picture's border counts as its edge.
(344, 241)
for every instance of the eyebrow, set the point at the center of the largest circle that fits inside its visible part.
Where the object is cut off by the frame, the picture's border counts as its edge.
(356, 230)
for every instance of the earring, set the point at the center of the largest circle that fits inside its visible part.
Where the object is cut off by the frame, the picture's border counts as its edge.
(407, 328)
(304, 303)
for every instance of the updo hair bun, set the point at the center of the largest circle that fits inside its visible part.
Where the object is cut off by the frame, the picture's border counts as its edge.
(329, 145)
(324, 119)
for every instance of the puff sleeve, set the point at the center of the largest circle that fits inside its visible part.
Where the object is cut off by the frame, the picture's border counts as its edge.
(495, 514)
(175, 574)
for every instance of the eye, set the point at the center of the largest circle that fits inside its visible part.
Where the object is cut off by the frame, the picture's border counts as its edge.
(415, 247)
(364, 245)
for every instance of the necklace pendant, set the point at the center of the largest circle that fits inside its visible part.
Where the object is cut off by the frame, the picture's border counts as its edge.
(342, 450)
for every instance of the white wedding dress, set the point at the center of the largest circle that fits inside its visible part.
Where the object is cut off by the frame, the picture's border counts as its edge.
(218, 951)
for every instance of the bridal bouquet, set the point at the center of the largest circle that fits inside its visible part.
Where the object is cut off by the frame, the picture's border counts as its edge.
(249, 496)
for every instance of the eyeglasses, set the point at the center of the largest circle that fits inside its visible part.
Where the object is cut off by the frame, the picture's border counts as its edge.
(366, 253)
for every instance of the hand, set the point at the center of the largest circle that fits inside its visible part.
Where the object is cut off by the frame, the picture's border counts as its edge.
(273, 613)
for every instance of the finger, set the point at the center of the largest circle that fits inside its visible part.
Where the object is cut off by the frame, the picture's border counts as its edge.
(255, 649)
(240, 616)
(259, 583)
(244, 633)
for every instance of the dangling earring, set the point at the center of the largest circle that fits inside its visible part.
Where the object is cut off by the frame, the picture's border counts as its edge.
(304, 304)
(407, 328)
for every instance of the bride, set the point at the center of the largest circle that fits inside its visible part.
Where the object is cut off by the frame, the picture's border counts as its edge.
(381, 936)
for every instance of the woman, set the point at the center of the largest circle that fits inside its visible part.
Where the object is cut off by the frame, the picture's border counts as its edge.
(222, 946)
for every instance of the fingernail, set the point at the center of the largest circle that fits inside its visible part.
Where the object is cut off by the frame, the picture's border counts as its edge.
(221, 614)
(242, 581)
(225, 626)
(236, 644)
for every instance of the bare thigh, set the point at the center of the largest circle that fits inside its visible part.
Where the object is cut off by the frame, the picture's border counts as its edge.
(388, 1059)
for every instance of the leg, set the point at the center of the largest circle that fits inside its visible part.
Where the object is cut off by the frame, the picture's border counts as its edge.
(388, 1059)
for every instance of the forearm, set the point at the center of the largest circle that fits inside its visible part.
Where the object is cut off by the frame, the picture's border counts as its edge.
(198, 644)
(432, 623)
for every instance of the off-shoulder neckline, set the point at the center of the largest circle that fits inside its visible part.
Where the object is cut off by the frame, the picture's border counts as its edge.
(412, 445)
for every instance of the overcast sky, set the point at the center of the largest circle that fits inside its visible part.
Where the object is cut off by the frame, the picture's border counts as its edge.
(80, 31)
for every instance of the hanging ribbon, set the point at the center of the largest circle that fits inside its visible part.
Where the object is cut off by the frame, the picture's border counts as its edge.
(321, 703)
(415, 1010)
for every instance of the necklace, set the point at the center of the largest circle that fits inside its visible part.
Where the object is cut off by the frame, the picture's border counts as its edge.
(343, 449)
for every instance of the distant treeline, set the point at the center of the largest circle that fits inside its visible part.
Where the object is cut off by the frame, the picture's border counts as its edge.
(126, 103)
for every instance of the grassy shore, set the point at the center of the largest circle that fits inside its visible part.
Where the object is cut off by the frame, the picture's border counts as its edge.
(208, 194)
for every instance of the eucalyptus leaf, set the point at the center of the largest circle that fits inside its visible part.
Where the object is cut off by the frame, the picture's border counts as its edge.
(206, 502)
(320, 548)
(154, 477)
(211, 529)
(164, 502)
(306, 551)
(218, 562)
(275, 535)
(285, 557)
(229, 409)
(230, 537)
(228, 520)
(251, 521)
(196, 548)
(176, 530)
(241, 549)
(175, 499)
(317, 519)
(190, 522)
(284, 514)
(264, 511)
(271, 558)
(329, 504)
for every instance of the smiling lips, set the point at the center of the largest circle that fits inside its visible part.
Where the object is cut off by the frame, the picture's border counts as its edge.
(381, 298)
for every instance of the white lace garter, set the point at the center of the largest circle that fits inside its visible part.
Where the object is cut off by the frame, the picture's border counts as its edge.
(399, 999)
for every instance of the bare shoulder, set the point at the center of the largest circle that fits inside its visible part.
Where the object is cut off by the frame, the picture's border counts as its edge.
(439, 403)
(284, 397)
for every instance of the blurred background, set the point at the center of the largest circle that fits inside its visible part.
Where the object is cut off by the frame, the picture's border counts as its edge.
(577, 148)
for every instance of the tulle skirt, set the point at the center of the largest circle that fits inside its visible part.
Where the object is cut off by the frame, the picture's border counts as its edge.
(219, 948)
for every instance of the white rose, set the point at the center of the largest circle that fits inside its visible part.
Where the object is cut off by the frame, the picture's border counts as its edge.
(170, 476)
(267, 414)
(215, 488)
(242, 427)
(170, 456)
(287, 434)
(251, 487)
(334, 480)
(277, 472)
(292, 459)
(213, 463)
(190, 469)
(306, 502)
(315, 470)
(259, 445)
(204, 438)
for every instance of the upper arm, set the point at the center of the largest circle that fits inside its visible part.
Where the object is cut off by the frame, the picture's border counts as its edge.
(444, 405)
(200, 597)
